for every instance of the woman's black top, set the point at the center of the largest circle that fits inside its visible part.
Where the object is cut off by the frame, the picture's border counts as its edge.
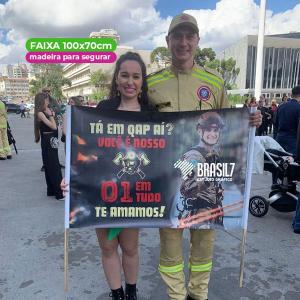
(44, 127)
(113, 104)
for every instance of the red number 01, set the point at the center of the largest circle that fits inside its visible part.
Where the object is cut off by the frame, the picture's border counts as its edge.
(109, 191)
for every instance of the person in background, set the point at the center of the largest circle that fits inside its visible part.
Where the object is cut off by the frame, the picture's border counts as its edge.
(252, 102)
(268, 117)
(272, 112)
(56, 108)
(22, 109)
(45, 129)
(262, 129)
(287, 120)
(5, 151)
(75, 100)
(246, 103)
(284, 99)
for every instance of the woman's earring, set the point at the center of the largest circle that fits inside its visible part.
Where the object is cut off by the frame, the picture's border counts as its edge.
(140, 95)
(118, 93)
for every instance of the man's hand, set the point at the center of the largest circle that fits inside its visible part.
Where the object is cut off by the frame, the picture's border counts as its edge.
(255, 119)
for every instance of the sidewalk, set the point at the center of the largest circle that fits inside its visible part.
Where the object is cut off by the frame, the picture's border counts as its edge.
(32, 244)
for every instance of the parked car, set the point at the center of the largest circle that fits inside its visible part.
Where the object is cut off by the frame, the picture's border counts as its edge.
(12, 107)
(29, 106)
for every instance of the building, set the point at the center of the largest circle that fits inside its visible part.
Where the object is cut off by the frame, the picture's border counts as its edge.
(14, 88)
(281, 60)
(80, 74)
(16, 71)
(106, 33)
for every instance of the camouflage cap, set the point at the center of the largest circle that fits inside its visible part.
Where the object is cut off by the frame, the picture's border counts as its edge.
(183, 19)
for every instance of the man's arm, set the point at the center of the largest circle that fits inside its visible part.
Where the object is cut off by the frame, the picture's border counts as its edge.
(224, 103)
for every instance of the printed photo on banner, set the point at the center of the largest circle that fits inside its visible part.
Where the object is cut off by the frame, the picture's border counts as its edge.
(151, 169)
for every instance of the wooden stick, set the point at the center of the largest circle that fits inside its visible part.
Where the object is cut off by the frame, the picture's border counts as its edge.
(243, 252)
(66, 259)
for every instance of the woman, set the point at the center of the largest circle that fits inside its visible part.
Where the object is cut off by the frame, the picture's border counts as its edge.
(45, 129)
(273, 110)
(128, 92)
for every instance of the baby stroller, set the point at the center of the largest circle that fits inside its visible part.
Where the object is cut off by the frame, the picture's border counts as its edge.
(285, 173)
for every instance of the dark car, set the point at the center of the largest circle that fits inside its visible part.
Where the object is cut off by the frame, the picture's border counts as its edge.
(12, 107)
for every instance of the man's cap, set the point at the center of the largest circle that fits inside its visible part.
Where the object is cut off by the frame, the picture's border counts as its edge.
(296, 91)
(183, 19)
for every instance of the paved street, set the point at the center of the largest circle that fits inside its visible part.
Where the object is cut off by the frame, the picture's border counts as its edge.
(32, 244)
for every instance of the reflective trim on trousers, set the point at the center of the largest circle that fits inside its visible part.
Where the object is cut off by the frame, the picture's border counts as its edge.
(201, 268)
(172, 269)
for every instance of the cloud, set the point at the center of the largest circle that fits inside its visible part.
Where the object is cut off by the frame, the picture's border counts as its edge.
(138, 23)
(232, 20)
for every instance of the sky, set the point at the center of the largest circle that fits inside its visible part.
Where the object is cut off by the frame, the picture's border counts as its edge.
(140, 23)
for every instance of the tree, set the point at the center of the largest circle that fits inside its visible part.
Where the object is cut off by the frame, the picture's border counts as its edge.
(202, 56)
(100, 80)
(161, 56)
(48, 75)
(228, 70)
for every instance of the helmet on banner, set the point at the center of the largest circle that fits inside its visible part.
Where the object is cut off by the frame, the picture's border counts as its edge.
(210, 119)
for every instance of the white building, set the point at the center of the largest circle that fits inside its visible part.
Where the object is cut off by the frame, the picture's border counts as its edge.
(14, 88)
(281, 71)
(80, 74)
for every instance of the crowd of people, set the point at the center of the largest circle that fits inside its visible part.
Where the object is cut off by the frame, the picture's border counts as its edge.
(268, 111)
(176, 88)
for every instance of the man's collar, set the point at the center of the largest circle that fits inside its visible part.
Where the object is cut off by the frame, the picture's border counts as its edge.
(177, 70)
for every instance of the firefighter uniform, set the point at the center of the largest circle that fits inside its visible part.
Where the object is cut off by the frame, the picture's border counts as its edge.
(5, 151)
(175, 90)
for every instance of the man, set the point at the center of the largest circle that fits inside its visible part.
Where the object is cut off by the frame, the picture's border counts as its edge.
(206, 195)
(286, 122)
(182, 87)
(22, 109)
(262, 129)
(5, 152)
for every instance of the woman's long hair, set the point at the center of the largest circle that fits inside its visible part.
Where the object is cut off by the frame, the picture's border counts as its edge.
(39, 106)
(143, 99)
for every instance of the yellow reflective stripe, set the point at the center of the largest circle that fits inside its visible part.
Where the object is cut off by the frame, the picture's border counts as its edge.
(214, 83)
(164, 75)
(172, 269)
(159, 80)
(201, 268)
(212, 76)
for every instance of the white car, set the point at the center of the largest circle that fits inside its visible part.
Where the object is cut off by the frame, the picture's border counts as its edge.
(29, 106)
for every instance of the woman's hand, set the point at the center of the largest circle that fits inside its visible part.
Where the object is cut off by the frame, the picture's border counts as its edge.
(49, 112)
(255, 119)
(64, 187)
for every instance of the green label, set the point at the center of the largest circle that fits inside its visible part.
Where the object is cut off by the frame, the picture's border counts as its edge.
(71, 45)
